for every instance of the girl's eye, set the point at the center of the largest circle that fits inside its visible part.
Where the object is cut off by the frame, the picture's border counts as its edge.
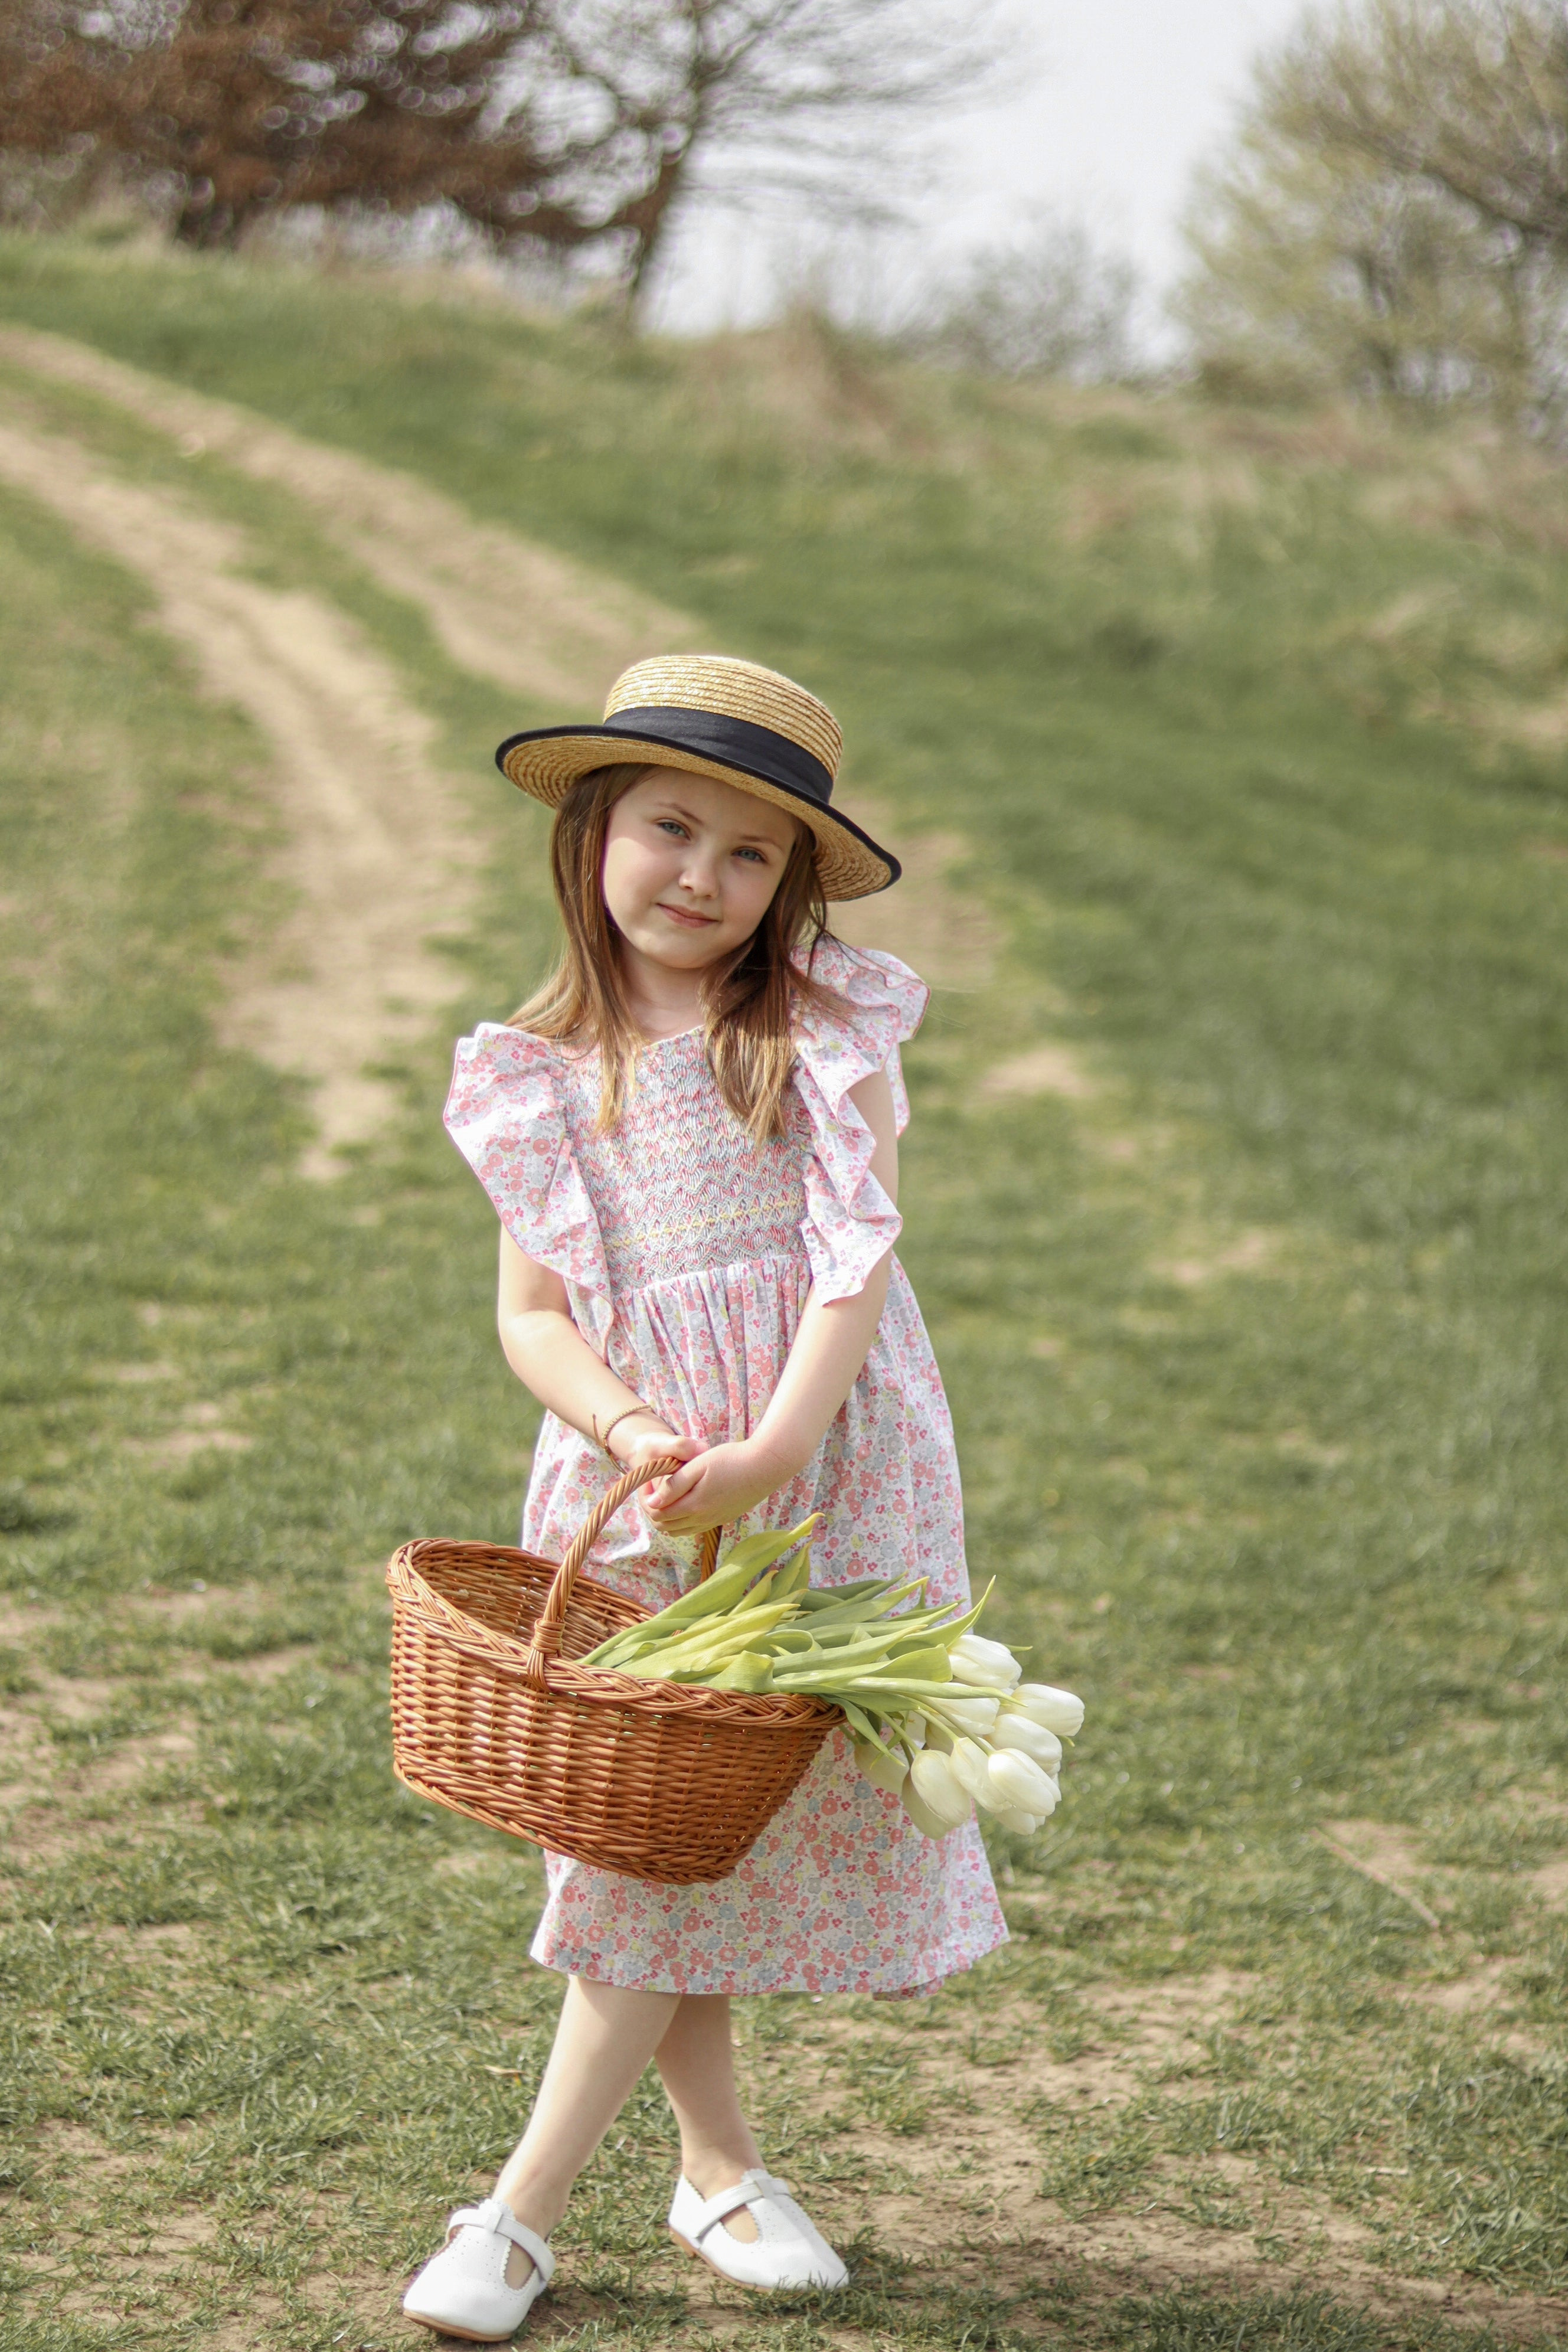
(672, 825)
(754, 855)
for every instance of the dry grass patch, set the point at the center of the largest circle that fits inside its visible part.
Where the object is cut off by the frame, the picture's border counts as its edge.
(203, 1433)
(134, 1375)
(1041, 1070)
(1551, 1882)
(1389, 1857)
(24, 1622)
(1251, 1253)
(966, 2165)
(811, 388)
(1479, 1989)
(62, 1777)
(949, 936)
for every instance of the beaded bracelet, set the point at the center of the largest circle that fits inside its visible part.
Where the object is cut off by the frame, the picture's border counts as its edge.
(625, 1414)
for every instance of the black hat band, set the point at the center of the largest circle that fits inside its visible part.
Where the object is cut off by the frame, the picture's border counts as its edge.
(739, 743)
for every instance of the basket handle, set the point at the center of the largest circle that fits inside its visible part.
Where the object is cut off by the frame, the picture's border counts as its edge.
(544, 1641)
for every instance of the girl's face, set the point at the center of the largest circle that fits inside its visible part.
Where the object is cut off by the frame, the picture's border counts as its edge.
(691, 865)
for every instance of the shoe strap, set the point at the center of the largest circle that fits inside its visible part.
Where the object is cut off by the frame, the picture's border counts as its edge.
(497, 2216)
(750, 2190)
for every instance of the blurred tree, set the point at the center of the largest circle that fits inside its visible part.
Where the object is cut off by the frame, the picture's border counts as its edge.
(567, 121)
(1468, 96)
(248, 106)
(749, 102)
(1053, 301)
(1393, 217)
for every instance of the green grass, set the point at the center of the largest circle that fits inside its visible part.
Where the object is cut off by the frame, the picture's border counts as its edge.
(1294, 1526)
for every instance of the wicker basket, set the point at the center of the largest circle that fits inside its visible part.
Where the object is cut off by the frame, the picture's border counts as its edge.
(492, 1716)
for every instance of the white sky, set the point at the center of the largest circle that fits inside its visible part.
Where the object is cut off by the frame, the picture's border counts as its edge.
(1124, 96)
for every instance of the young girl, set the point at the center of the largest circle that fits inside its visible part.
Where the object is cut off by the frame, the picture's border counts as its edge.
(690, 1135)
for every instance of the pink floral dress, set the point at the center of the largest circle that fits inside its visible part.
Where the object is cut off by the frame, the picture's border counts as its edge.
(689, 1252)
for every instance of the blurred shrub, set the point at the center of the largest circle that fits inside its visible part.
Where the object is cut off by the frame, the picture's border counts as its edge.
(1052, 301)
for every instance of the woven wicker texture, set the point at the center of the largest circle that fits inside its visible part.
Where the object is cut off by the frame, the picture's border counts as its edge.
(492, 1716)
(740, 690)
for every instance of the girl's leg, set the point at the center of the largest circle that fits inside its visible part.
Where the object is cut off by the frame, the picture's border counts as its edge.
(606, 2037)
(697, 2065)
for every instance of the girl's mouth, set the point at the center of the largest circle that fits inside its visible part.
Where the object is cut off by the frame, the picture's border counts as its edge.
(680, 915)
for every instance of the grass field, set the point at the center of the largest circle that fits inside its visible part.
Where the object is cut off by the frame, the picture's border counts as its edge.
(1233, 1200)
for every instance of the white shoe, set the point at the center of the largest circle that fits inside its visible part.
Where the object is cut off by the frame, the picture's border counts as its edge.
(788, 2250)
(462, 2291)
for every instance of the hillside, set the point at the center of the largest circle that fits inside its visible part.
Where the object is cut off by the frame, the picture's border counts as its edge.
(1229, 754)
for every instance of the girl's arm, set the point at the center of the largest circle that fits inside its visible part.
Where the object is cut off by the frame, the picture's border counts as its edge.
(823, 1364)
(551, 1357)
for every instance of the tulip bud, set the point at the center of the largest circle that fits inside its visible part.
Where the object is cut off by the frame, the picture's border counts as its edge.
(1015, 1780)
(883, 1771)
(971, 1712)
(989, 1664)
(1059, 1710)
(940, 1790)
(970, 1765)
(1023, 1824)
(930, 1824)
(1016, 1730)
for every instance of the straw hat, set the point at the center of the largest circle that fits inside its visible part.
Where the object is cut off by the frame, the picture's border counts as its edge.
(747, 726)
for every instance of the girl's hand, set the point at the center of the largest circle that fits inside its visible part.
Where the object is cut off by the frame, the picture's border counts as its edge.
(643, 1437)
(714, 1487)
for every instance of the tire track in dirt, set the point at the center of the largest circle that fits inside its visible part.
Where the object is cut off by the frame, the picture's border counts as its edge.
(505, 609)
(377, 853)
(376, 849)
(522, 616)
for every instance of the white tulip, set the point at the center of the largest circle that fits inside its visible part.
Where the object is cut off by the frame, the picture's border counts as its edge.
(930, 1824)
(1025, 1824)
(1016, 1730)
(969, 1766)
(1015, 1780)
(882, 1770)
(991, 1665)
(972, 1712)
(1059, 1710)
(934, 1781)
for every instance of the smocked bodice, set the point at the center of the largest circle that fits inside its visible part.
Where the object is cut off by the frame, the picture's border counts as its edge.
(679, 1190)
(677, 1186)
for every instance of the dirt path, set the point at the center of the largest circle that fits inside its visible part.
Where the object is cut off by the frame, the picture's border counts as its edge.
(522, 616)
(376, 850)
(1215, 2220)
(507, 610)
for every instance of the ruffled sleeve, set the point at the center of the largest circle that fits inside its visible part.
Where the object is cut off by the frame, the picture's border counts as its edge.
(851, 1223)
(504, 1115)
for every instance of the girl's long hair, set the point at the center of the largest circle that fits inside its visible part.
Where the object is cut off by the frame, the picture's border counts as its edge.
(748, 999)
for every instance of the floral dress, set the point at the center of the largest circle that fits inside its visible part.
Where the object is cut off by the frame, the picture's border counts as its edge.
(689, 1252)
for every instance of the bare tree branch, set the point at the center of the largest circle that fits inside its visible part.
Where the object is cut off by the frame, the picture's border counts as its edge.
(562, 121)
(760, 101)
